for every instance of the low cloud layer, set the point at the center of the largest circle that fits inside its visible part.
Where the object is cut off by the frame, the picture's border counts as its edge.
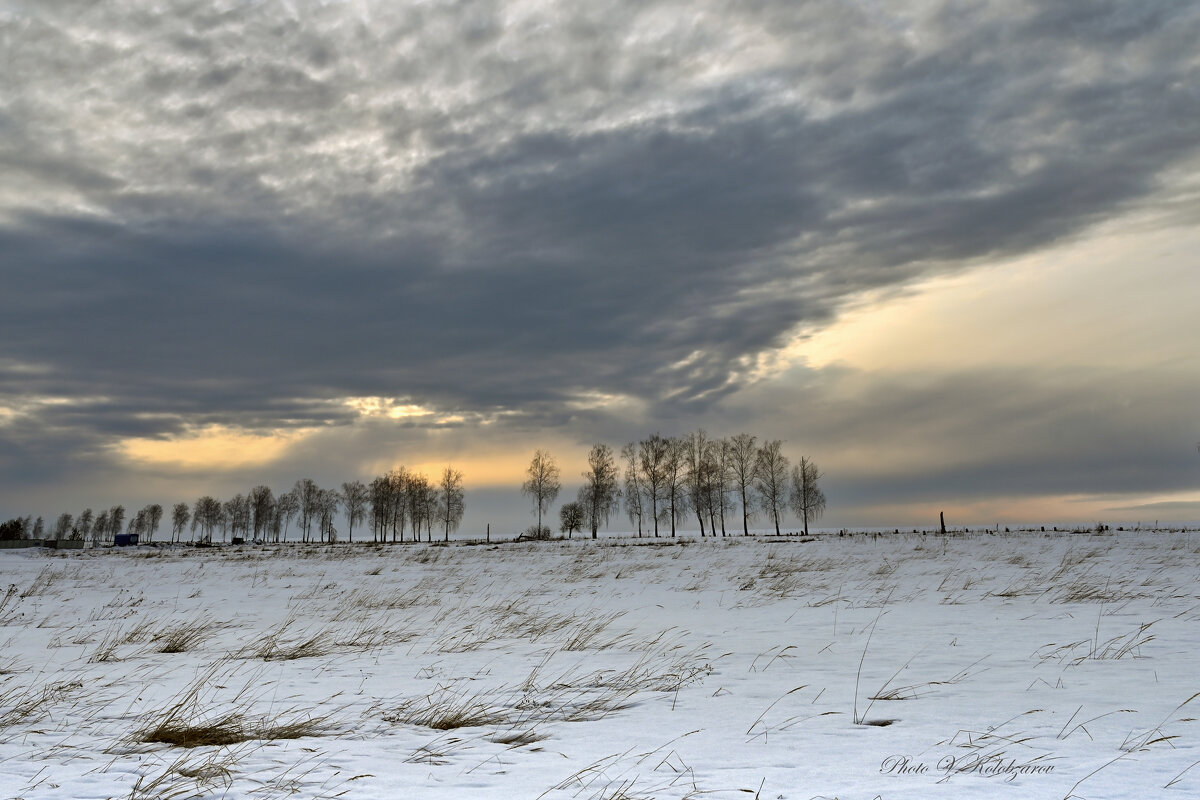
(242, 214)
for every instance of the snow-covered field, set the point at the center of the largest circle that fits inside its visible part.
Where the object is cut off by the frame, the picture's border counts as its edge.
(1023, 665)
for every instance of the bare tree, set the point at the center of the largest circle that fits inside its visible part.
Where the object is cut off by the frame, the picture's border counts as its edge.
(100, 528)
(206, 515)
(450, 505)
(652, 469)
(355, 496)
(222, 520)
(287, 506)
(83, 524)
(327, 501)
(262, 510)
(62, 527)
(401, 503)
(229, 517)
(421, 497)
(308, 495)
(180, 516)
(633, 486)
(771, 479)
(381, 512)
(570, 517)
(697, 454)
(414, 494)
(39, 528)
(807, 499)
(154, 514)
(675, 483)
(424, 506)
(600, 495)
(237, 513)
(541, 483)
(722, 484)
(116, 518)
(137, 523)
(743, 456)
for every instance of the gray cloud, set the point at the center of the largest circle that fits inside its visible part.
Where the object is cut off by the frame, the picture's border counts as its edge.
(236, 213)
(970, 435)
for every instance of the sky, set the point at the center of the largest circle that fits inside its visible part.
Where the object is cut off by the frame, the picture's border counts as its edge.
(946, 249)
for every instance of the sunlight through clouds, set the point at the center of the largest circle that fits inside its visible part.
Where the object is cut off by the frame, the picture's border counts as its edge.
(211, 448)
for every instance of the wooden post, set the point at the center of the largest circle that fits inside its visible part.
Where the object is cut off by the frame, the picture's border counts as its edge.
(489, 533)
(942, 515)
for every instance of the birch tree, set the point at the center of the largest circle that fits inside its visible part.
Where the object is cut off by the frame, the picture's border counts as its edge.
(771, 479)
(697, 453)
(308, 495)
(83, 524)
(262, 510)
(743, 456)
(600, 494)
(355, 496)
(633, 486)
(287, 506)
(651, 465)
(807, 499)
(180, 516)
(451, 504)
(675, 480)
(541, 483)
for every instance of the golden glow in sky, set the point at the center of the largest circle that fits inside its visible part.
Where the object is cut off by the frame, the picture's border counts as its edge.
(211, 448)
(1115, 300)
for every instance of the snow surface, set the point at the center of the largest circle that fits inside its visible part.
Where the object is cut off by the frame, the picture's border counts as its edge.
(1023, 665)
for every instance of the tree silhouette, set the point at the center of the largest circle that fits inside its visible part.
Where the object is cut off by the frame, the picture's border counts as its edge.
(770, 479)
(541, 483)
(450, 505)
(807, 499)
(570, 517)
(600, 494)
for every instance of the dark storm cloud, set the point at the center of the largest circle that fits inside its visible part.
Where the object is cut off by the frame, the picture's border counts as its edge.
(239, 213)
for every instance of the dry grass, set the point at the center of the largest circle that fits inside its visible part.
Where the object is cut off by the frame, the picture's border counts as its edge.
(447, 710)
(1125, 645)
(7, 600)
(308, 645)
(105, 651)
(276, 645)
(587, 634)
(1091, 589)
(28, 705)
(188, 776)
(633, 775)
(185, 723)
(183, 637)
(42, 583)
(571, 695)
(213, 772)
(283, 643)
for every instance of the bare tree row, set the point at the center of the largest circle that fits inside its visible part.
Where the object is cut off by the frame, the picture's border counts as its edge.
(391, 501)
(663, 479)
(102, 527)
